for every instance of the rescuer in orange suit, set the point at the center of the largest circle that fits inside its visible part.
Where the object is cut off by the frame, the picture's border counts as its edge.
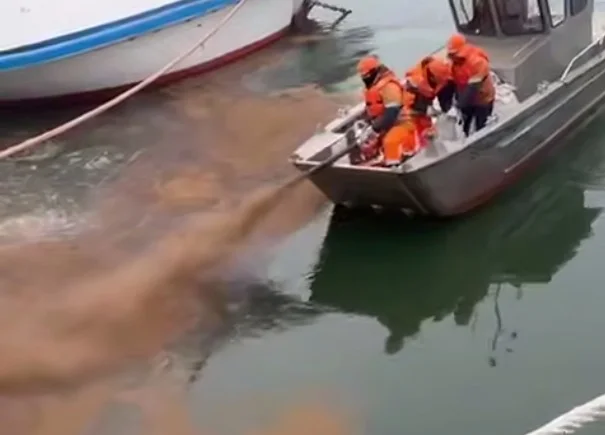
(475, 92)
(429, 79)
(385, 109)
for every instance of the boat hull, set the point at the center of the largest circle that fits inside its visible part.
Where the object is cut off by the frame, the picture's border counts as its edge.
(108, 70)
(461, 180)
(473, 176)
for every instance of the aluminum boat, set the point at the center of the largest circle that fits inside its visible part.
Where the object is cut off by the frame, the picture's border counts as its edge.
(549, 69)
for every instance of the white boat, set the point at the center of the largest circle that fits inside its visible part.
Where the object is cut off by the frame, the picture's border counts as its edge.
(57, 50)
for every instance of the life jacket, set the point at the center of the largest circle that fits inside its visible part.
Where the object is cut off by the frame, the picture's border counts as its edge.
(438, 73)
(462, 73)
(417, 83)
(375, 106)
(420, 92)
(426, 80)
(429, 76)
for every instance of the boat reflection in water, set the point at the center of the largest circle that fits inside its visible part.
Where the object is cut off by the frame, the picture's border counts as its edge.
(254, 308)
(403, 273)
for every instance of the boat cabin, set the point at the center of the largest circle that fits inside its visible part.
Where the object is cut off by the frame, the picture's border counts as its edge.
(528, 41)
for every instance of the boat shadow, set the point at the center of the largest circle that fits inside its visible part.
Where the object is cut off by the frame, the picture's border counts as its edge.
(404, 272)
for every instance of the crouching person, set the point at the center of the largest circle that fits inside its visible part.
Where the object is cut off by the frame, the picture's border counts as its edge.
(386, 110)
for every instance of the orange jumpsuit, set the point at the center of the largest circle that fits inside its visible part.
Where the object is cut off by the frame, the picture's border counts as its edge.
(400, 140)
(474, 85)
(424, 83)
(474, 68)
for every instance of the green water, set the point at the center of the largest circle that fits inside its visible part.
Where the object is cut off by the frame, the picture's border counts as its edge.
(487, 325)
(491, 324)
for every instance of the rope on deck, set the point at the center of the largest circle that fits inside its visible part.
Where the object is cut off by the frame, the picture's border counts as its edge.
(31, 142)
(575, 419)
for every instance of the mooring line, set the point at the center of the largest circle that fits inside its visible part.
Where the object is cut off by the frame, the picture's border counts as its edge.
(37, 140)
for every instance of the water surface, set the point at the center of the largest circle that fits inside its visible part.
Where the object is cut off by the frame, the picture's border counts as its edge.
(487, 324)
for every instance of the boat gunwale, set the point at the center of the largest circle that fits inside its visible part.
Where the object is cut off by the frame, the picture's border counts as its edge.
(110, 33)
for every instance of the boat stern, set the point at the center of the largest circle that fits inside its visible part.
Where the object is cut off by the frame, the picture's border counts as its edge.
(363, 187)
(347, 184)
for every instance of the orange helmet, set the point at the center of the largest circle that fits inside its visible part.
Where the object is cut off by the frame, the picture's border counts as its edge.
(456, 44)
(367, 64)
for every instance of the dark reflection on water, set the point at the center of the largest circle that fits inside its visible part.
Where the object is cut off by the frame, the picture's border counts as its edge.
(255, 307)
(403, 273)
(323, 58)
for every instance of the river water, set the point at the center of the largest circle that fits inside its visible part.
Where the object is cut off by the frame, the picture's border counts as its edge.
(342, 323)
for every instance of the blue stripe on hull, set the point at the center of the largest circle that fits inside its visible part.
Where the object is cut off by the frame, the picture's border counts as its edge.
(108, 34)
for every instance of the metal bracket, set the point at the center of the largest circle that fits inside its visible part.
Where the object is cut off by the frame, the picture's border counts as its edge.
(344, 12)
(342, 112)
(543, 86)
(598, 41)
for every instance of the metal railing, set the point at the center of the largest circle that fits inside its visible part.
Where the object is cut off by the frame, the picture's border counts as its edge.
(598, 44)
(437, 50)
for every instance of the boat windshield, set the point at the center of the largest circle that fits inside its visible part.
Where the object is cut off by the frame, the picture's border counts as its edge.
(519, 17)
(474, 17)
(515, 17)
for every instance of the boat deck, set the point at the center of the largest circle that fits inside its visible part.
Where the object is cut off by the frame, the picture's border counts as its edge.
(450, 135)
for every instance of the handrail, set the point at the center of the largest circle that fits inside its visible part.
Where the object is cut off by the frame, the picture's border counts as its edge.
(437, 50)
(575, 419)
(599, 41)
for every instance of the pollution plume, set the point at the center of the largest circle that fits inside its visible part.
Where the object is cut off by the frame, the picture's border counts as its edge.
(81, 312)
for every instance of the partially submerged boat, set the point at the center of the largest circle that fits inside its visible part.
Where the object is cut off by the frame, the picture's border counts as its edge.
(57, 50)
(550, 77)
